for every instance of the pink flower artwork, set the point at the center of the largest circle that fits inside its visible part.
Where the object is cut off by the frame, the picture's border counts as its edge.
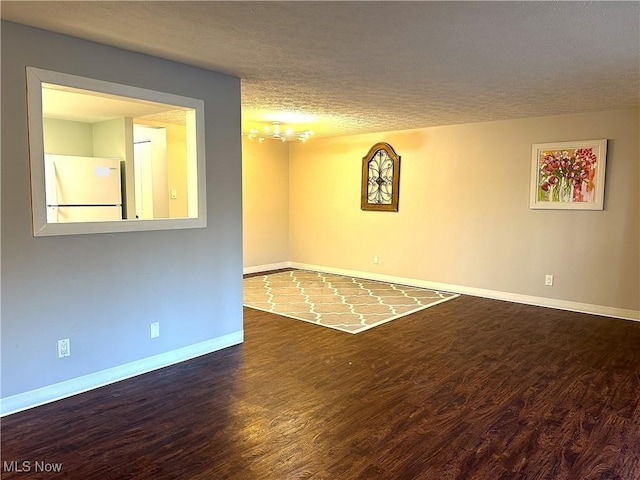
(567, 175)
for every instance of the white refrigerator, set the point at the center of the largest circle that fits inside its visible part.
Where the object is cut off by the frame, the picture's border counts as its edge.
(82, 189)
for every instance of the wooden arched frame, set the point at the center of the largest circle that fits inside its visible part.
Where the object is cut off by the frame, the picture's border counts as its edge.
(380, 179)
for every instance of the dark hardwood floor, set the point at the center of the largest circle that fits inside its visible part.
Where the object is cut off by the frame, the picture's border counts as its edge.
(472, 389)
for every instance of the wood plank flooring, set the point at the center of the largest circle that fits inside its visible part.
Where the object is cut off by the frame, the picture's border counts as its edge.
(473, 389)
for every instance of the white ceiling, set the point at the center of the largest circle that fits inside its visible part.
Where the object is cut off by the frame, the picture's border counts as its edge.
(90, 107)
(358, 67)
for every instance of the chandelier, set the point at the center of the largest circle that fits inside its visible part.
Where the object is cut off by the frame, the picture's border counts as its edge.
(277, 133)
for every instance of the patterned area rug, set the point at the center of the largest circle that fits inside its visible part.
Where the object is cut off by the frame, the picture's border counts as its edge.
(348, 304)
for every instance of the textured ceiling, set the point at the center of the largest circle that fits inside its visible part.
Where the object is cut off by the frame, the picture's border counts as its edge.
(359, 67)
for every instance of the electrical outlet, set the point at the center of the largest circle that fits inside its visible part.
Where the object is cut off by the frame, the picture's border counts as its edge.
(155, 329)
(64, 348)
(376, 260)
(548, 280)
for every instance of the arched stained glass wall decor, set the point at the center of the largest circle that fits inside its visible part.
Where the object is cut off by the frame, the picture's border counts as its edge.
(380, 179)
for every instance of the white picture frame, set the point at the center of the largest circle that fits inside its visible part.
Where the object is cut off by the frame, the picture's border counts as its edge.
(568, 175)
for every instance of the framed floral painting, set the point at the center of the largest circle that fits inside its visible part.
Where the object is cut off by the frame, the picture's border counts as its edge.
(568, 175)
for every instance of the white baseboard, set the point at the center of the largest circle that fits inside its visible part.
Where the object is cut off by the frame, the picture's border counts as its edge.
(481, 292)
(266, 268)
(68, 388)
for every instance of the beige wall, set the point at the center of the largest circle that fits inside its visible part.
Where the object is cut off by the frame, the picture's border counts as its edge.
(265, 198)
(64, 137)
(177, 170)
(464, 216)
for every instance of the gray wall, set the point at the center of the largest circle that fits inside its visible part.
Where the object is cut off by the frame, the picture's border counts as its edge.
(102, 291)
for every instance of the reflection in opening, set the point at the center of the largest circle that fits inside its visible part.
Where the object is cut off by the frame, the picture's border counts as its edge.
(82, 189)
(82, 154)
(151, 172)
(142, 172)
(146, 148)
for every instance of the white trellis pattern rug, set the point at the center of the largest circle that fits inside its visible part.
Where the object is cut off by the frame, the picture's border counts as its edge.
(348, 304)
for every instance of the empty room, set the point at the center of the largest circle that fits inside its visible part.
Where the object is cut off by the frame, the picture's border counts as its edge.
(320, 240)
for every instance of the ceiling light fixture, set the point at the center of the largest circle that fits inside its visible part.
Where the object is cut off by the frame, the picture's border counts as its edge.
(277, 133)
